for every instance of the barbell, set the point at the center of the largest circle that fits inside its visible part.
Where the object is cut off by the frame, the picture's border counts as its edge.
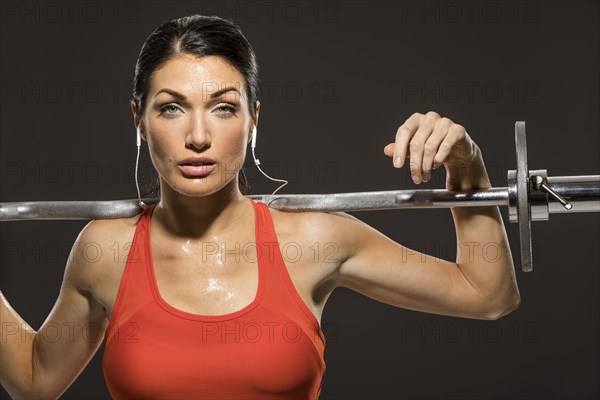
(531, 195)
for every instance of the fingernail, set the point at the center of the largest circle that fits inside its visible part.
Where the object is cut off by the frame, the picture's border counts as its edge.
(417, 179)
(397, 162)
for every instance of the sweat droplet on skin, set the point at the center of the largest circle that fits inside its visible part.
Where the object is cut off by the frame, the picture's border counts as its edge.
(186, 247)
(214, 286)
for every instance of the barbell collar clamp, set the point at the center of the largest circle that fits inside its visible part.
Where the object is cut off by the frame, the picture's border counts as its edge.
(539, 183)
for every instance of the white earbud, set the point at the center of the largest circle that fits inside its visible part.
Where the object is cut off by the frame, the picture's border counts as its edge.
(257, 163)
(138, 140)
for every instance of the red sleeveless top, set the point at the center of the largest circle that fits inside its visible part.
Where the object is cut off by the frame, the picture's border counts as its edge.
(271, 349)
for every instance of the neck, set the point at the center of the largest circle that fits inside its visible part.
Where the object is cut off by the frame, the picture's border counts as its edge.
(196, 217)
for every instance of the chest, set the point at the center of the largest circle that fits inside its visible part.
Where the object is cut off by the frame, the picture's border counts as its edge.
(220, 276)
(176, 358)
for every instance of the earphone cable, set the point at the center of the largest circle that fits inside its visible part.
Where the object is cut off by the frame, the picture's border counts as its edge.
(285, 182)
(137, 161)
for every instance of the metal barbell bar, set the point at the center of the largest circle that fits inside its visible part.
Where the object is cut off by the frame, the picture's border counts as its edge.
(527, 198)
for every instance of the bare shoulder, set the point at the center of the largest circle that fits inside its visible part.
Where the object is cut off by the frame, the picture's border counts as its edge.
(309, 227)
(100, 251)
(321, 224)
(105, 230)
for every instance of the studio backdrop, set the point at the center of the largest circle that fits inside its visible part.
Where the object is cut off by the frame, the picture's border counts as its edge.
(337, 78)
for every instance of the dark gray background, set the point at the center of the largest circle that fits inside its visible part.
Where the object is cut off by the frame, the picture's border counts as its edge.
(337, 79)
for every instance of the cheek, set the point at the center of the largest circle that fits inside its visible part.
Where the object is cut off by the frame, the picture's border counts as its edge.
(160, 150)
(233, 145)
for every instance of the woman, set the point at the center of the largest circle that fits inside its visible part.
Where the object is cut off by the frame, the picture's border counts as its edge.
(209, 302)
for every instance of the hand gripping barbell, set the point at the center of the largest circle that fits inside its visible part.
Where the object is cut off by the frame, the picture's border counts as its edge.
(531, 195)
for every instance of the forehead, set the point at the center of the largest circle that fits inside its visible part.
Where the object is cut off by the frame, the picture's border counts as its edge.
(196, 76)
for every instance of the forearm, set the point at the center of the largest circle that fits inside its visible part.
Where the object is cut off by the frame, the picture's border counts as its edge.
(483, 250)
(16, 348)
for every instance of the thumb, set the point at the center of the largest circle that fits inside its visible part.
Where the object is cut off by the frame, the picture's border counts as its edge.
(389, 150)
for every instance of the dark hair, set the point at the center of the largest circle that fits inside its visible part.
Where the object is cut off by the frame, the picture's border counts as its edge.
(198, 35)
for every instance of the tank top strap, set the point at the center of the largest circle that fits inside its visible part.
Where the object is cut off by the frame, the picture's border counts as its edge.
(266, 239)
(280, 292)
(134, 290)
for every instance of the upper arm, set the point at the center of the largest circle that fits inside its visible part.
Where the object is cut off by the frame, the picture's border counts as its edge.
(387, 271)
(74, 329)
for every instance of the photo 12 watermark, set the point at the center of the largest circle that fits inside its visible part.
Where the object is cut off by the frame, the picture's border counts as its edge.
(469, 12)
(469, 332)
(69, 12)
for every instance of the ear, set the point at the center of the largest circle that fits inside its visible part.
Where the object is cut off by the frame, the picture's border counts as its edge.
(137, 121)
(255, 122)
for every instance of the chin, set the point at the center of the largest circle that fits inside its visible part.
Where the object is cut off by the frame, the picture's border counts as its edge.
(197, 187)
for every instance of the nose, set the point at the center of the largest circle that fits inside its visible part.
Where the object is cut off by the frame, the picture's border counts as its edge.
(198, 135)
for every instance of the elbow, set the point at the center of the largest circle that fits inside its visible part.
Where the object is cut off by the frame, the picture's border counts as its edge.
(499, 312)
(20, 393)
(42, 393)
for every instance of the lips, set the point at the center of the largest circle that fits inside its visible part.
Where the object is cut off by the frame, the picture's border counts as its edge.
(197, 161)
(195, 167)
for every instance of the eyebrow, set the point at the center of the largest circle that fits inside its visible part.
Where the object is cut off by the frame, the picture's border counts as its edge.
(180, 96)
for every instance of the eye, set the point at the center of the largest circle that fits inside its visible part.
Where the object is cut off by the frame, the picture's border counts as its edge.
(169, 109)
(226, 110)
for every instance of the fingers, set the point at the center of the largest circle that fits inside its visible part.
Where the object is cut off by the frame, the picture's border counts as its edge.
(455, 134)
(431, 149)
(417, 146)
(428, 139)
(403, 136)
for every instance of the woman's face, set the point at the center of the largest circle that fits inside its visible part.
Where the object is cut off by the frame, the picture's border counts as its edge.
(196, 107)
